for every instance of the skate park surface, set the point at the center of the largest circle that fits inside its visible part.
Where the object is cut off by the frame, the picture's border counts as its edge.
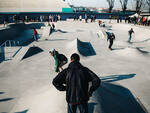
(26, 79)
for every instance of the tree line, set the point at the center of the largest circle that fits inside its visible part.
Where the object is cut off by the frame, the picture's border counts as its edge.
(139, 5)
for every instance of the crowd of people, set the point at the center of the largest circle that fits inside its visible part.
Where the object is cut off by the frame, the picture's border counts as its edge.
(17, 19)
(141, 20)
(92, 18)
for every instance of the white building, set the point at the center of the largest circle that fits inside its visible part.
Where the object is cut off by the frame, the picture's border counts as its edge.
(32, 5)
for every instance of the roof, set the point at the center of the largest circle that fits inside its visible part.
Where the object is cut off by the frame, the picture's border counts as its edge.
(32, 5)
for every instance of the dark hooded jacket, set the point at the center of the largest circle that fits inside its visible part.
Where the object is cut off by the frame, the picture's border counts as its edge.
(75, 81)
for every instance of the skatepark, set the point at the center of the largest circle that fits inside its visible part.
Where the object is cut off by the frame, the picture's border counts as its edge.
(27, 72)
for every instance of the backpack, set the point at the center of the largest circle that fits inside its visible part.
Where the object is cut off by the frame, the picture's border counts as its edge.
(108, 35)
(62, 57)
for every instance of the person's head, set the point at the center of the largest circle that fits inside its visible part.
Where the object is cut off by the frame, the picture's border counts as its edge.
(52, 52)
(131, 28)
(75, 57)
(112, 34)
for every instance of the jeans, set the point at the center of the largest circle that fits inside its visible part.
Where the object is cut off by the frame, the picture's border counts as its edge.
(83, 108)
(35, 37)
(129, 38)
(110, 44)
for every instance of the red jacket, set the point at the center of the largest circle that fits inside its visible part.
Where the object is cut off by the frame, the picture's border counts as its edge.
(35, 32)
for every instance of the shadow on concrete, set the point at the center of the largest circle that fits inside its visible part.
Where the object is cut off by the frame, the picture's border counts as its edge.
(27, 42)
(85, 48)
(142, 51)
(56, 39)
(117, 99)
(113, 78)
(32, 51)
(59, 30)
(13, 31)
(91, 107)
(2, 54)
(117, 49)
(17, 30)
(35, 25)
(6, 99)
(142, 41)
(130, 42)
(25, 111)
(2, 92)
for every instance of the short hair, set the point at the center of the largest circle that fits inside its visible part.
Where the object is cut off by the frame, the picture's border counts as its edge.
(75, 57)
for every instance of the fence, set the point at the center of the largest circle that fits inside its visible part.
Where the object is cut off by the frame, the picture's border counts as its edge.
(6, 44)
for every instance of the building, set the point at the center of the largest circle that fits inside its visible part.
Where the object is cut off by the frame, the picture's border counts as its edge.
(32, 5)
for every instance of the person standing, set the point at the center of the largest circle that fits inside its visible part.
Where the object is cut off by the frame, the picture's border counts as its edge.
(51, 30)
(35, 34)
(86, 18)
(130, 34)
(80, 17)
(99, 23)
(75, 81)
(111, 38)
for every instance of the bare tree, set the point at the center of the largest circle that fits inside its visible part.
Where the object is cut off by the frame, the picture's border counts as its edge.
(124, 4)
(111, 4)
(139, 5)
(148, 2)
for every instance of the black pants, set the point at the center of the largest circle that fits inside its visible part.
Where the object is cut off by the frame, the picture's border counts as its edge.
(36, 37)
(83, 108)
(110, 44)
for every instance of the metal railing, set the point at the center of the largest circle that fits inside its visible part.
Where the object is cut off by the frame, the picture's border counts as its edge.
(8, 43)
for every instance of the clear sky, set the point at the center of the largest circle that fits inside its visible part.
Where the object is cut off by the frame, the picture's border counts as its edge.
(96, 3)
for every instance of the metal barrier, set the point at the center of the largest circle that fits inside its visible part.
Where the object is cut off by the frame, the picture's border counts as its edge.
(8, 43)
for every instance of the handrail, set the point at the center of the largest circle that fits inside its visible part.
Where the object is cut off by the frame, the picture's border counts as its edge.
(10, 43)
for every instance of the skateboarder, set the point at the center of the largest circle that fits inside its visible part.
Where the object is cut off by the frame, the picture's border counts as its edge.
(60, 60)
(75, 81)
(111, 39)
(130, 34)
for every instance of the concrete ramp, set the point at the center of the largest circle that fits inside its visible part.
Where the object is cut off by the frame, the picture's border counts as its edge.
(83, 48)
(101, 34)
(10, 52)
(21, 53)
(46, 31)
(32, 51)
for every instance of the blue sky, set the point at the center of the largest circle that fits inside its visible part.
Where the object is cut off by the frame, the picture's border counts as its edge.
(96, 3)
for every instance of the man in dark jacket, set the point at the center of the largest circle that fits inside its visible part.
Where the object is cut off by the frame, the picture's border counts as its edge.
(130, 34)
(75, 81)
